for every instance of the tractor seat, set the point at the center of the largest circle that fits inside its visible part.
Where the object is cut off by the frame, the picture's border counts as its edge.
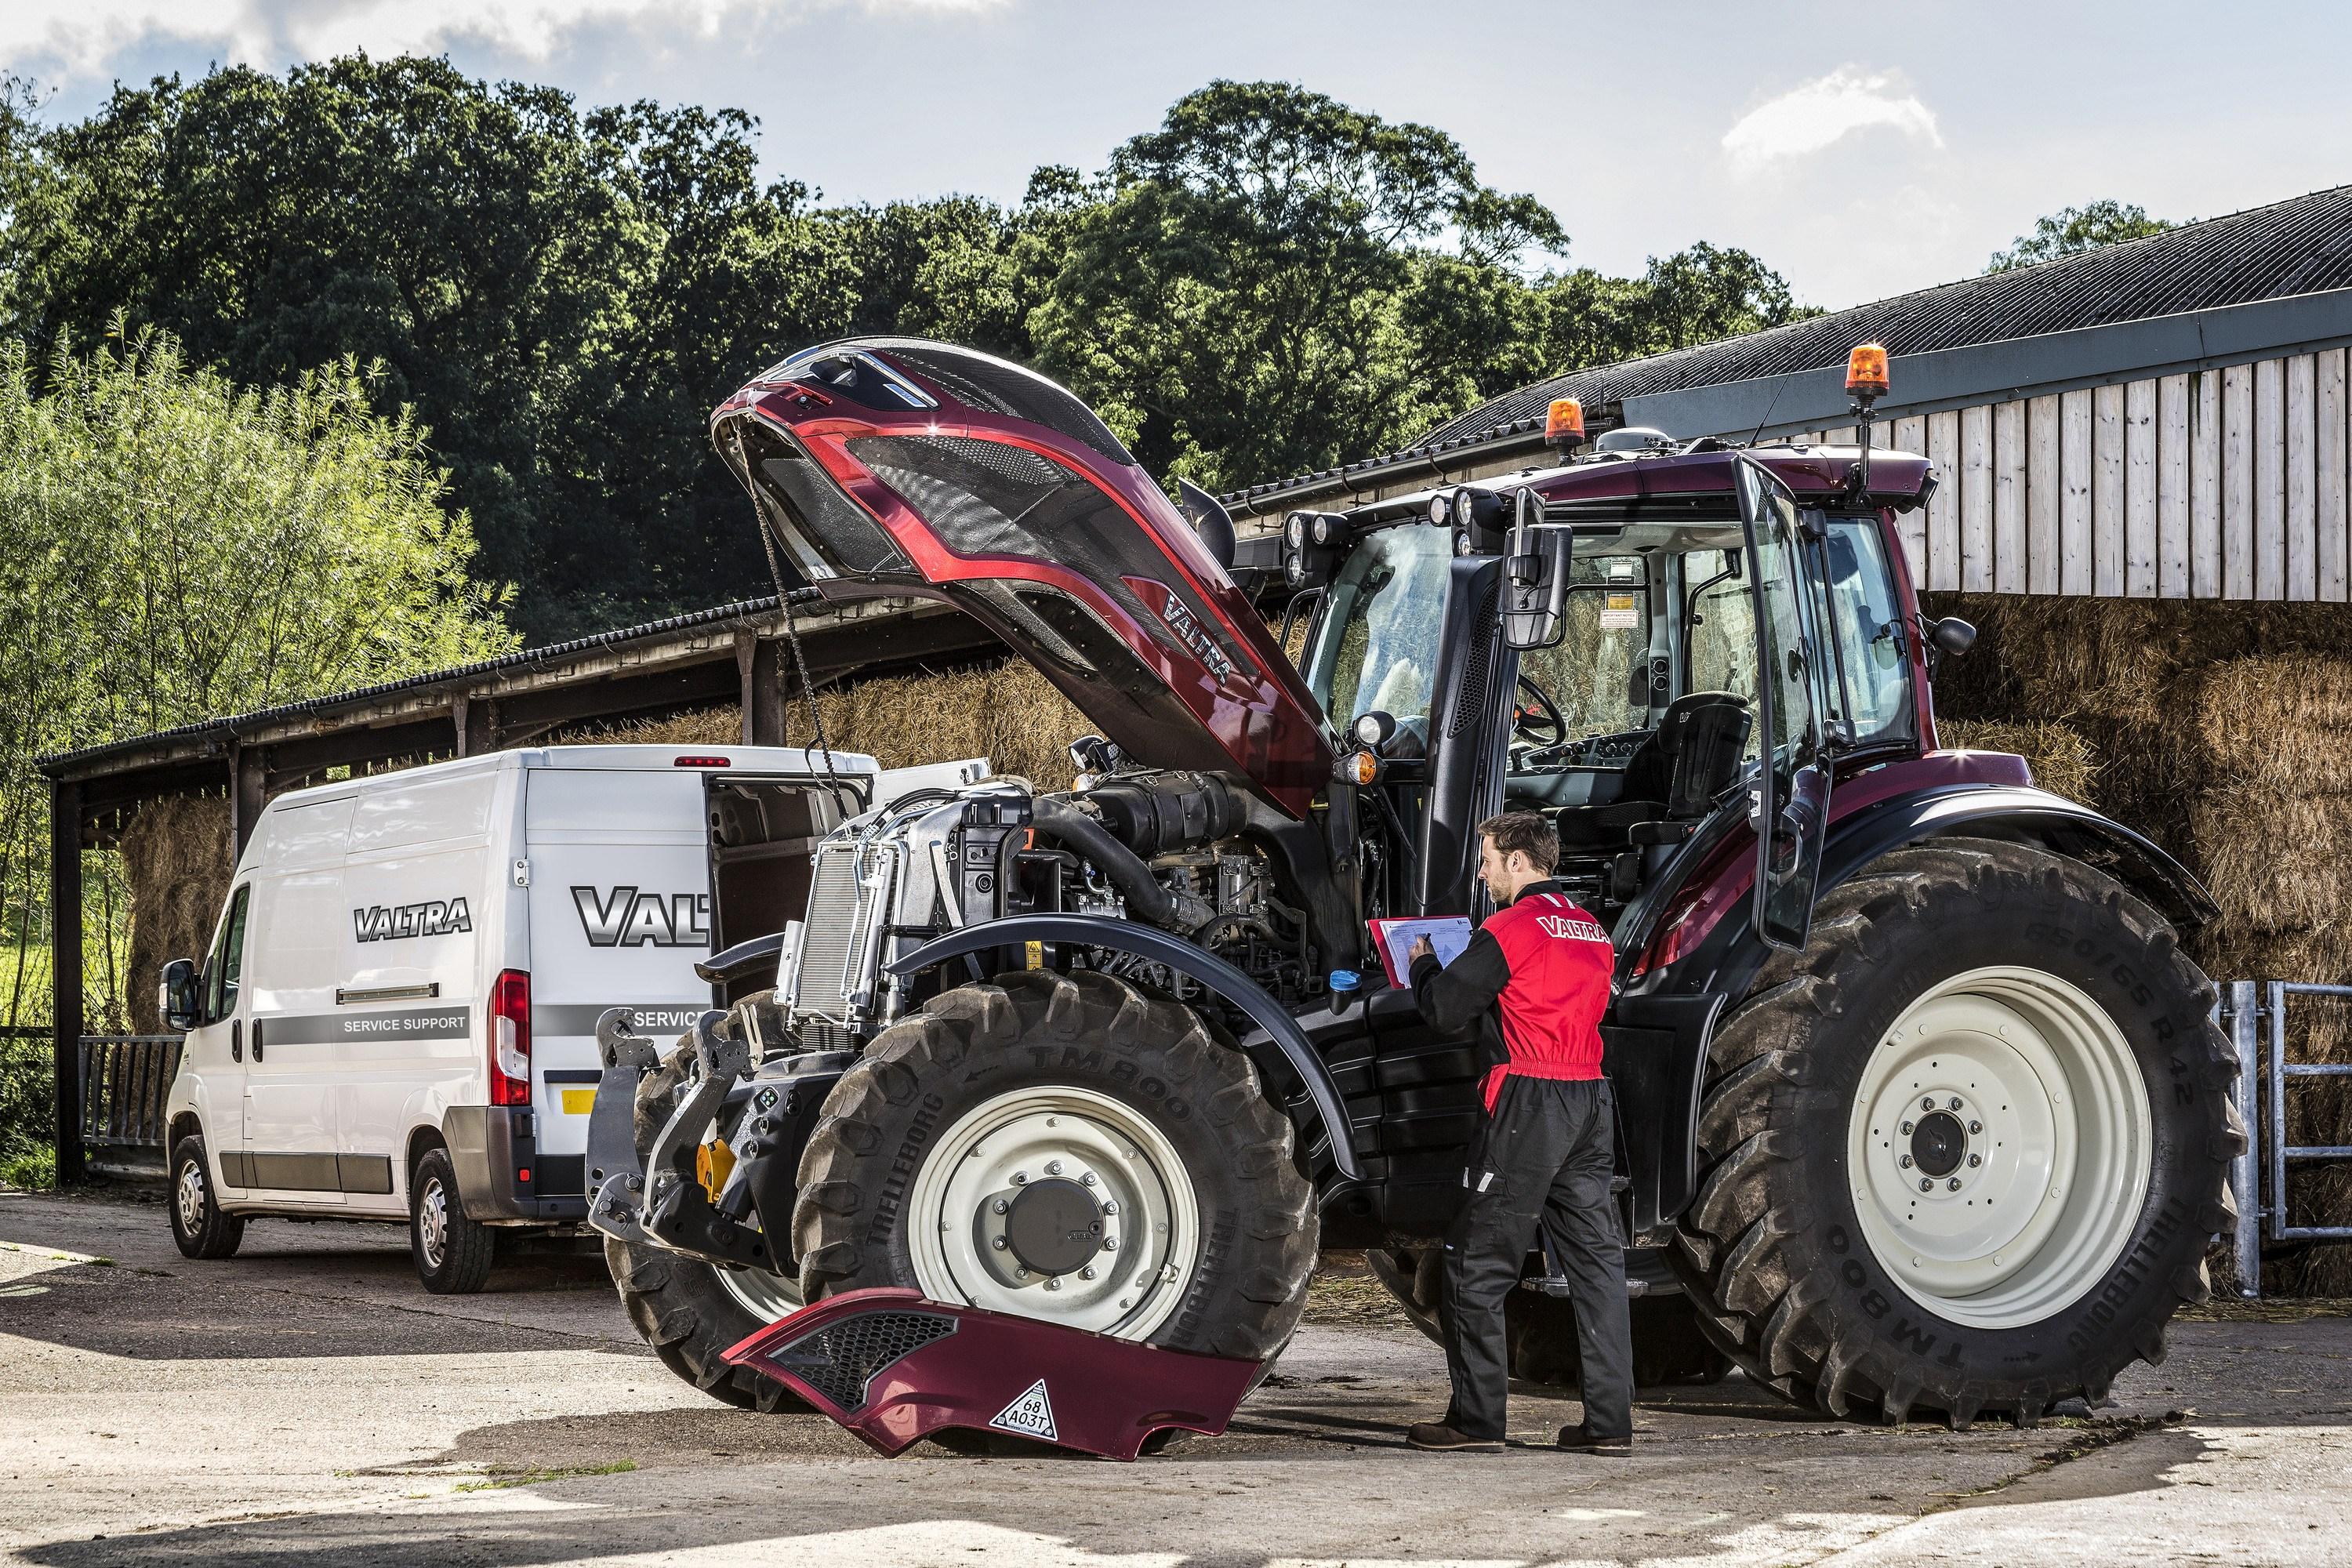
(1674, 776)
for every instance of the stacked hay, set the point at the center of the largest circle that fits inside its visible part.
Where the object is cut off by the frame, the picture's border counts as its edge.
(2061, 759)
(2224, 733)
(721, 726)
(177, 862)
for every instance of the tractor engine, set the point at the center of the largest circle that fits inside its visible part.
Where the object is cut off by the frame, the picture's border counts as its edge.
(1188, 852)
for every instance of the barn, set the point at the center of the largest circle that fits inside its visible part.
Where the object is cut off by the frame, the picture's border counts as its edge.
(2145, 455)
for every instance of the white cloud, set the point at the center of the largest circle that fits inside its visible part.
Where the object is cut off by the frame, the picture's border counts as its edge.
(1821, 112)
(66, 38)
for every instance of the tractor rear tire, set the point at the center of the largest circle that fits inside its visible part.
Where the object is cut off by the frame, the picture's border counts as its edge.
(1670, 1347)
(1066, 1147)
(1964, 1152)
(690, 1311)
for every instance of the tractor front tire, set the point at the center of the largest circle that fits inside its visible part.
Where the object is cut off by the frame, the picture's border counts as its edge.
(1066, 1147)
(690, 1311)
(1964, 1152)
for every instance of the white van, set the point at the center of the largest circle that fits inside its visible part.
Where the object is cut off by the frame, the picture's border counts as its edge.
(397, 1019)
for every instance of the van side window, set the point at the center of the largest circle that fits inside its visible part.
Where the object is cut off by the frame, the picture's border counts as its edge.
(226, 964)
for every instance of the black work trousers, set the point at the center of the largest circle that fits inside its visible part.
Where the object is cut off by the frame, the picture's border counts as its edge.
(1544, 1159)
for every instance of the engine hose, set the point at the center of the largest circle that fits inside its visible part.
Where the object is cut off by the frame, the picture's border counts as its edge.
(1145, 896)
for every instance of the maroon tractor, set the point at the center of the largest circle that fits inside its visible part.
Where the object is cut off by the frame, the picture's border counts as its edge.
(1923, 1109)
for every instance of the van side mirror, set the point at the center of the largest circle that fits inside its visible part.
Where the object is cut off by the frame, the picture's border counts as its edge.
(180, 996)
(1535, 578)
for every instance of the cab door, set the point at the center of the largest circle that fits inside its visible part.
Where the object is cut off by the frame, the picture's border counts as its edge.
(1789, 804)
(216, 1045)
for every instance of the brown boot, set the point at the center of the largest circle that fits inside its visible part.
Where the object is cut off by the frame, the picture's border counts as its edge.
(1580, 1439)
(1438, 1434)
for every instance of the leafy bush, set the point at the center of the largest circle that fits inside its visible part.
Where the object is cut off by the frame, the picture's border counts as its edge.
(27, 1107)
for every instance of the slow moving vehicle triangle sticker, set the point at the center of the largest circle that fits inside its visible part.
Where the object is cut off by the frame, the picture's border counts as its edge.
(1029, 1416)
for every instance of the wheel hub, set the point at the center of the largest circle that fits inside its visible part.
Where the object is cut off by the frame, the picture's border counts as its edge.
(1054, 1226)
(191, 1197)
(433, 1223)
(1938, 1143)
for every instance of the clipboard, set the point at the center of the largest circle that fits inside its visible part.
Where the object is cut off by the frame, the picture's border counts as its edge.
(1449, 934)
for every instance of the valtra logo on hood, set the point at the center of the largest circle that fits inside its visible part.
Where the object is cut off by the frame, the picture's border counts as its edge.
(892, 466)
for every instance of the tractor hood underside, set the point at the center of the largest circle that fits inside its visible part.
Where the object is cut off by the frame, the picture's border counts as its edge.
(887, 466)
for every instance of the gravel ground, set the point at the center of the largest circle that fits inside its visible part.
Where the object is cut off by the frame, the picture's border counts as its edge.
(306, 1402)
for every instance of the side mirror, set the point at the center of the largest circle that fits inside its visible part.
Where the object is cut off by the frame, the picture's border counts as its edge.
(180, 996)
(1952, 635)
(1535, 578)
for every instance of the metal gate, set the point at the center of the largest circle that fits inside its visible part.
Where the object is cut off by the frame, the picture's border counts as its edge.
(125, 1080)
(2255, 1013)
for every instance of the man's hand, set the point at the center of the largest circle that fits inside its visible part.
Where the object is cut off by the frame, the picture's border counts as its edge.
(1420, 950)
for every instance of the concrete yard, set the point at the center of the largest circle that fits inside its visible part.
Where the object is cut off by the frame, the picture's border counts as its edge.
(308, 1403)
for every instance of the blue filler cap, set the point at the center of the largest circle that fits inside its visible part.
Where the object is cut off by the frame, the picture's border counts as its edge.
(1346, 979)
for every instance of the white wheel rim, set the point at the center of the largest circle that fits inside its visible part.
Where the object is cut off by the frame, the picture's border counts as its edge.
(2017, 1101)
(433, 1222)
(960, 1209)
(190, 1194)
(765, 1296)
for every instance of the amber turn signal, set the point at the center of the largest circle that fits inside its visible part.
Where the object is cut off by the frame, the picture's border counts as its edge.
(1866, 373)
(1359, 768)
(1564, 422)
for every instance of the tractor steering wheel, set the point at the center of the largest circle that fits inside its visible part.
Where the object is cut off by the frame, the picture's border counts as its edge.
(1540, 724)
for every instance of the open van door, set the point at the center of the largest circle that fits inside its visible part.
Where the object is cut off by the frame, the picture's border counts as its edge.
(1789, 802)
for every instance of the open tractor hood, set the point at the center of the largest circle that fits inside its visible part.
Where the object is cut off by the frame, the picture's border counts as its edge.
(894, 465)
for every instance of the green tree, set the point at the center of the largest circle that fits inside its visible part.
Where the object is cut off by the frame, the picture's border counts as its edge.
(1233, 296)
(2070, 231)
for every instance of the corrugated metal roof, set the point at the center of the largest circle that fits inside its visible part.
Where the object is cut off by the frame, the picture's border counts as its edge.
(526, 658)
(2300, 245)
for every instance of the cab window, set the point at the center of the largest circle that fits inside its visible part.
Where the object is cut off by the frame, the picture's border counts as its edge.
(1854, 602)
(225, 966)
(1376, 642)
(1598, 673)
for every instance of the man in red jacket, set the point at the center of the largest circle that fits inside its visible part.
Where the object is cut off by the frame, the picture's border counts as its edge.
(1535, 979)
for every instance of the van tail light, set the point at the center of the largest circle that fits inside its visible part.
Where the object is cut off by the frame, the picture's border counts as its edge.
(511, 1039)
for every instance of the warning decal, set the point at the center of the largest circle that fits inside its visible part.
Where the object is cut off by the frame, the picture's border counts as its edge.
(1030, 1416)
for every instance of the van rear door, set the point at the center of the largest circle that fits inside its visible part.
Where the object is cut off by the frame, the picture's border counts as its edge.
(620, 911)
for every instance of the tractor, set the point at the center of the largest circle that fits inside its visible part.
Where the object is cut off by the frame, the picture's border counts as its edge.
(1923, 1111)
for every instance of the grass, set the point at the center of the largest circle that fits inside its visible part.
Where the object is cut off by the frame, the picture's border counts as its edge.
(533, 1477)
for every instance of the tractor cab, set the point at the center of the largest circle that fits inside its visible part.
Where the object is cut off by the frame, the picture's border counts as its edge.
(1650, 627)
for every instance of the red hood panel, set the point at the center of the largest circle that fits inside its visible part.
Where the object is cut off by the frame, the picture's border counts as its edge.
(892, 466)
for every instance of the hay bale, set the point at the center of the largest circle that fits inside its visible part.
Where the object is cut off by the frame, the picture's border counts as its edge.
(1008, 713)
(721, 726)
(2285, 722)
(2061, 759)
(177, 862)
(2275, 860)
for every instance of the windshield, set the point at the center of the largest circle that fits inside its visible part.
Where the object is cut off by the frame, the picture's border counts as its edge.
(1375, 647)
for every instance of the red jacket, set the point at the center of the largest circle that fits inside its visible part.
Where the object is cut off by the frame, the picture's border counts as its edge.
(1536, 976)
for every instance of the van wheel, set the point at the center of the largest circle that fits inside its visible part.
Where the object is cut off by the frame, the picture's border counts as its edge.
(198, 1227)
(453, 1253)
(1066, 1147)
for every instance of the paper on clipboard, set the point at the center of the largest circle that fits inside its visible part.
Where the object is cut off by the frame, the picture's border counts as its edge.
(1449, 934)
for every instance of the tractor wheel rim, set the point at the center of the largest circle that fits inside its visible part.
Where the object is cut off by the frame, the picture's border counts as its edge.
(996, 1209)
(188, 1193)
(2000, 1143)
(765, 1296)
(433, 1222)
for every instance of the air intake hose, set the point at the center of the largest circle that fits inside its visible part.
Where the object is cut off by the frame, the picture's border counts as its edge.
(1057, 817)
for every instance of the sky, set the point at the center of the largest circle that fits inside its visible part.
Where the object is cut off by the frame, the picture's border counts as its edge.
(1862, 151)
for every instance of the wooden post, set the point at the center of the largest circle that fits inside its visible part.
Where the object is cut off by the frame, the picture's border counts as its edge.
(759, 662)
(248, 775)
(476, 720)
(65, 969)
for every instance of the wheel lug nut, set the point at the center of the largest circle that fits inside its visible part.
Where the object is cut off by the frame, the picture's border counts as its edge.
(1904, 1129)
(1020, 1273)
(1954, 1185)
(1020, 1178)
(1111, 1243)
(1953, 1104)
(1929, 1104)
(1974, 1161)
(1926, 1185)
(1087, 1272)
(1976, 1126)
(1088, 1178)
(998, 1244)
(1000, 1206)
(1903, 1161)
(1053, 1283)
(1110, 1205)
(1053, 1167)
